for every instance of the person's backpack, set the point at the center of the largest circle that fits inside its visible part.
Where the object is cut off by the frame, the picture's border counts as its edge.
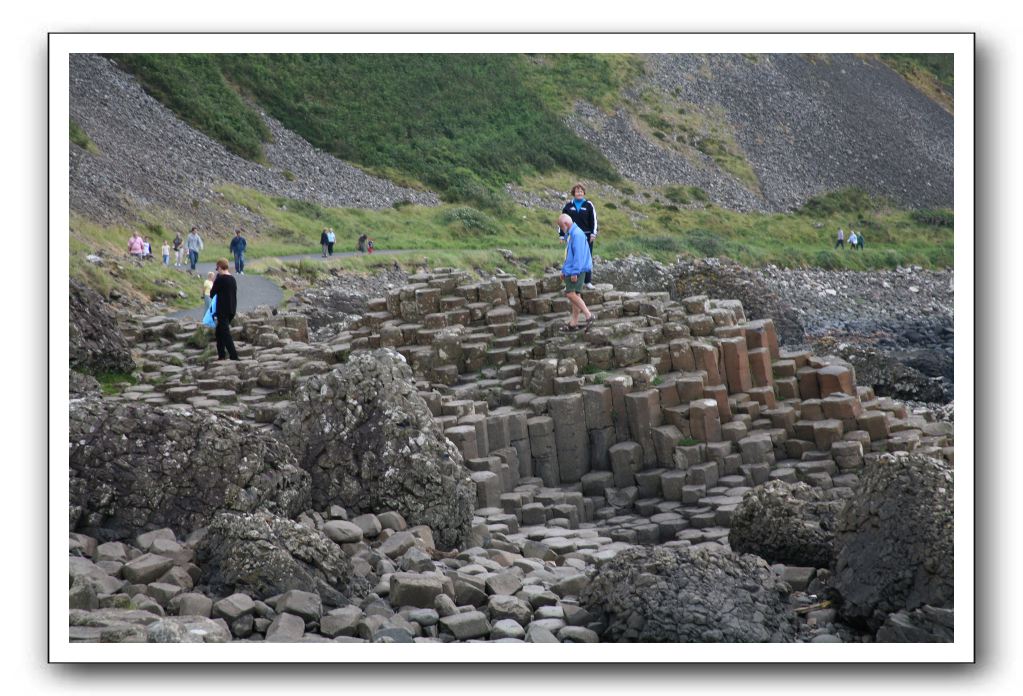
(210, 318)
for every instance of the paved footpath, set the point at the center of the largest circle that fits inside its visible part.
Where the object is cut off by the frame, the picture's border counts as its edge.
(256, 289)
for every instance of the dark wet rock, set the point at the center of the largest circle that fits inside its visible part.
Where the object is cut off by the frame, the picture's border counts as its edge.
(670, 594)
(371, 444)
(136, 467)
(924, 625)
(790, 523)
(894, 545)
(263, 556)
(95, 343)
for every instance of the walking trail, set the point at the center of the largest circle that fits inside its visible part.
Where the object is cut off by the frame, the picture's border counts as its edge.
(257, 289)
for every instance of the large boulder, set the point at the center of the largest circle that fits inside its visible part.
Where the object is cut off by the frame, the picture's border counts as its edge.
(371, 444)
(136, 467)
(894, 545)
(94, 341)
(785, 523)
(264, 555)
(673, 594)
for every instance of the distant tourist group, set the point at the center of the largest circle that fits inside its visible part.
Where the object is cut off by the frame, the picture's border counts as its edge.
(141, 247)
(855, 239)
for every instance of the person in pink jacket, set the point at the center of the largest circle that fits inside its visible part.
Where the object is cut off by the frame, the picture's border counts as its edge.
(136, 246)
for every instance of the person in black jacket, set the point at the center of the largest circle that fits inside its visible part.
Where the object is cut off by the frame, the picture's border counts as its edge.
(584, 215)
(225, 289)
(323, 242)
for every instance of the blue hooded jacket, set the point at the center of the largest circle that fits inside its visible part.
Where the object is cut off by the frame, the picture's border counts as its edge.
(578, 259)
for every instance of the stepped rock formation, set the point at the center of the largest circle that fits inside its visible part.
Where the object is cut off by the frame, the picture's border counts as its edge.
(136, 467)
(370, 443)
(589, 480)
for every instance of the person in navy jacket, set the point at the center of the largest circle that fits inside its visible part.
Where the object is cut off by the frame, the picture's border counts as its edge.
(577, 262)
(583, 214)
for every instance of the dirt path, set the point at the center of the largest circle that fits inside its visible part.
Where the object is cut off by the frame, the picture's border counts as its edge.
(256, 289)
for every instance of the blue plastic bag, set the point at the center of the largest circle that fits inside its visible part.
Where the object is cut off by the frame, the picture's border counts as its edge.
(210, 318)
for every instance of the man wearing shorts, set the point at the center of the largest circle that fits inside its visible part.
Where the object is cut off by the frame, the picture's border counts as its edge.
(577, 263)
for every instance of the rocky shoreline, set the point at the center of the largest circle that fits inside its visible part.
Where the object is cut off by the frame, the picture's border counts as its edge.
(412, 482)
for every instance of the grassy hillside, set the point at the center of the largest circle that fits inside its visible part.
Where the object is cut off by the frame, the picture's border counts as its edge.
(466, 237)
(931, 73)
(460, 124)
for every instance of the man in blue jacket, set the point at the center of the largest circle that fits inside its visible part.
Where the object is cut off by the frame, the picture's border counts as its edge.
(577, 263)
(238, 245)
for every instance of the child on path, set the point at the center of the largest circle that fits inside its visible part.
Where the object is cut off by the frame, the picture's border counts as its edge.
(179, 249)
(369, 246)
(840, 242)
(166, 253)
(206, 287)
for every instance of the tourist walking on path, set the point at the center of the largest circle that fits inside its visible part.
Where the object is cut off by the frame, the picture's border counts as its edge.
(225, 289)
(165, 252)
(194, 245)
(840, 242)
(147, 248)
(237, 247)
(330, 241)
(852, 240)
(577, 262)
(584, 215)
(179, 249)
(323, 243)
(207, 286)
(136, 247)
(859, 240)
(362, 243)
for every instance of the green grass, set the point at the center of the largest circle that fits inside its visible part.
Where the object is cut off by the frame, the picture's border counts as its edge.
(113, 382)
(81, 139)
(931, 73)
(464, 237)
(193, 86)
(687, 127)
(460, 124)
(148, 279)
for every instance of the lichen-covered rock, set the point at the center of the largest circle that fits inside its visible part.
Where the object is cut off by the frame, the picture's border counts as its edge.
(136, 467)
(81, 384)
(371, 444)
(94, 341)
(894, 542)
(924, 625)
(785, 523)
(264, 555)
(671, 594)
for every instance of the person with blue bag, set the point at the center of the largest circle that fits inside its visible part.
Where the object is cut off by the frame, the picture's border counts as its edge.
(224, 297)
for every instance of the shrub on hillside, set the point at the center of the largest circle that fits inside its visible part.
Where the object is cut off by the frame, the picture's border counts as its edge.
(847, 200)
(935, 218)
(470, 221)
(706, 243)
